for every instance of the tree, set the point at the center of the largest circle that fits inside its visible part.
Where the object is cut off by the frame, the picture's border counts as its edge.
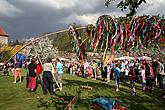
(4, 52)
(124, 4)
(15, 42)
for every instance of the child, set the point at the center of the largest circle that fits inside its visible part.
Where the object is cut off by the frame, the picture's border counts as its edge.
(117, 76)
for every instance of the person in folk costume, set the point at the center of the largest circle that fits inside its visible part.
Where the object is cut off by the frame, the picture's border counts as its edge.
(143, 78)
(74, 69)
(59, 68)
(94, 67)
(117, 76)
(86, 69)
(48, 75)
(78, 70)
(17, 71)
(151, 77)
(32, 75)
(99, 69)
(71, 68)
(108, 72)
(126, 73)
(132, 80)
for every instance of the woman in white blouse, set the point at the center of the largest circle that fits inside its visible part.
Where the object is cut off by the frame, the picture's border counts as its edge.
(48, 74)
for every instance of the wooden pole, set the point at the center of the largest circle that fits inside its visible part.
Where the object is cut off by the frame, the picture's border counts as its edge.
(71, 104)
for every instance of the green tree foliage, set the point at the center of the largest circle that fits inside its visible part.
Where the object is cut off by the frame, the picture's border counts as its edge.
(132, 5)
(4, 54)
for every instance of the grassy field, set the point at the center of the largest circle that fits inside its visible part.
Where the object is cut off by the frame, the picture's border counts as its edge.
(17, 97)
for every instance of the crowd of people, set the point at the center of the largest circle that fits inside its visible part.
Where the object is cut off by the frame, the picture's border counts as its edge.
(35, 70)
(148, 73)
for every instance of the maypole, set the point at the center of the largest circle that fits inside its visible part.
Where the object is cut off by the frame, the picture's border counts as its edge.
(128, 34)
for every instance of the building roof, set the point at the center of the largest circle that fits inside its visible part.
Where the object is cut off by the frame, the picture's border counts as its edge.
(2, 32)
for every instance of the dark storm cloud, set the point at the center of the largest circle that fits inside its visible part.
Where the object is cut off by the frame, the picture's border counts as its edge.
(28, 18)
(35, 20)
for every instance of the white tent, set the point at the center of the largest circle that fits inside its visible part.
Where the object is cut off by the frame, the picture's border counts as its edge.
(144, 58)
(63, 59)
(125, 58)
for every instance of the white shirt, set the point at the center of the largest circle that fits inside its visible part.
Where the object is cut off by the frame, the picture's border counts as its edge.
(143, 73)
(48, 67)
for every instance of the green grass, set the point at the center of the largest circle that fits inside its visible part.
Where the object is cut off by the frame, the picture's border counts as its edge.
(16, 96)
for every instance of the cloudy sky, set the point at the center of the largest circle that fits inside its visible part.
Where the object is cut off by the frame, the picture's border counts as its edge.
(27, 18)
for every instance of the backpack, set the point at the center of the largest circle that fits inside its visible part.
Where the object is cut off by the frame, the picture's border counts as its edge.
(39, 69)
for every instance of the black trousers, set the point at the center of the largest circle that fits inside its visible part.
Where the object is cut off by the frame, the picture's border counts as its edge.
(47, 82)
(137, 75)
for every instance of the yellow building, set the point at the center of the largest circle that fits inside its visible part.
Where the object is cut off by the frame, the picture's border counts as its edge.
(3, 36)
